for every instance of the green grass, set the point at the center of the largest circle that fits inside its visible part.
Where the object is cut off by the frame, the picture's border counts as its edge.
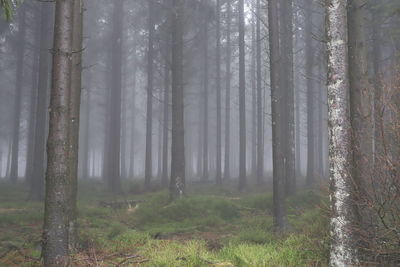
(212, 226)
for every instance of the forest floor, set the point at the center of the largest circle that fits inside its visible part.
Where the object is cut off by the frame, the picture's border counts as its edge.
(210, 227)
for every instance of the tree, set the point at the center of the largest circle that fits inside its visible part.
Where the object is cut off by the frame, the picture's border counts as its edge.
(227, 91)
(218, 98)
(309, 55)
(114, 142)
(242, 100)
(280, 220)
(286, 12)
(260, 117)
(20, 54)
(340, 152)
(205, 100)
(39, 153)
(177, 180)
(149, 112)
(74, 109)
(58, 184)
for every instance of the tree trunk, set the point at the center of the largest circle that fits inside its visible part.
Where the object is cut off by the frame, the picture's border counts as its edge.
(228, 93)
(242, 100)
(340, 152)
(58, 184)
(20, 54)
(260, 111)
(177, 181)
(149, 112)
(114, 143)
(38, 172)
(74, 109)
(133, 115)
(167, 75)
(280, 220)
(205, 107)
(286, 12)
(253, 99)
(218, 82)
(309, 56)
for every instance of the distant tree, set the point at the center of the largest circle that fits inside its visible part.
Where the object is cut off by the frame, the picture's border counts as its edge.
(177, 180)
(58, 184)
(340, 151)
(166, 117)
(242, 99)
(39, 153)
(205, 99)
(309, 57)
(218, 98)
(228, 91)
(113, 173)
(149, 108)
(20, 56)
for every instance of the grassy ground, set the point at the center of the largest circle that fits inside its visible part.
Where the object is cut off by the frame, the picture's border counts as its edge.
(211, 227)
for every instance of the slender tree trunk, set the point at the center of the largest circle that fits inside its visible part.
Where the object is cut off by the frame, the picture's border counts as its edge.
(280, 219)
(242, 100)
(309, 56)
(74, 109)
(38, 172)
(218, 83)
(86, 133)
(288, 88)
(167, 74)
(149, 112)
(205, 107)
(228, 93)
(340, 152)
(33, 99)
(114, 150)
(133, 115)
(177, 181)
(253, 99)
(58, 184)
(20, 53)
(260, 111)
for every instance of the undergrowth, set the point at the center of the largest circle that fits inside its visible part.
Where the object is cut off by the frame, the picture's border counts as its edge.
(216, 227)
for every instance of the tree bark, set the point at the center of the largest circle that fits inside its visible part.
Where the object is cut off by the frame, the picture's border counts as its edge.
(205, 103)
(340, 152)
(167, 74)
(58, 184)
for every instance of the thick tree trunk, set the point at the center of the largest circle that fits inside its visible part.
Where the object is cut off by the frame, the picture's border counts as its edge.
(228, 93)
(280, 220)
(20, 54)
(242, 100)
(340, 152)
(149, 112)
(177, 181)
(58, 184)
